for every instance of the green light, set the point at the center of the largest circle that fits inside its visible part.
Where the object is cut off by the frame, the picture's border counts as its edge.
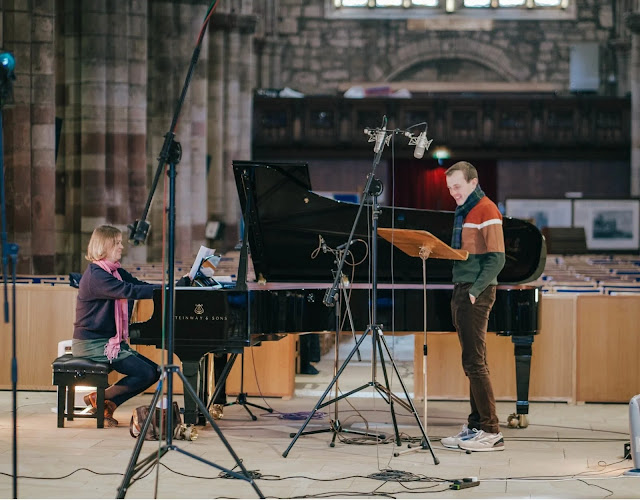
(441, 154)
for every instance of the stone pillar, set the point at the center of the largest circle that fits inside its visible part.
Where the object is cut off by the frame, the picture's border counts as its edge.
(215, 129)
(232, 131)
(103, 167)
(620, 54)
(269, 47)
(173, 33)
(633, 23)
(232, 80)
(137, 72)
(90, 111)
(29, 134)
(270, 63)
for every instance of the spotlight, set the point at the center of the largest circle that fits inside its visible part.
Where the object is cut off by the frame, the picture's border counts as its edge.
(7, 61)
(441, 153)
(7, 76)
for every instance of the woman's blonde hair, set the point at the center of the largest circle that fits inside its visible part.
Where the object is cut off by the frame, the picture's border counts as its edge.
(102, 240)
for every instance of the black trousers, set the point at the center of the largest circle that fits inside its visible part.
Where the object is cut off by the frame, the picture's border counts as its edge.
(141, 373)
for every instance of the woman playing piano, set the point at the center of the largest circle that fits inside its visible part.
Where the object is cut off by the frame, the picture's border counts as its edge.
(105, 295)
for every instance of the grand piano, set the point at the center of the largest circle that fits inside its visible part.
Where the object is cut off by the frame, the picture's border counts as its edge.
(287, 223)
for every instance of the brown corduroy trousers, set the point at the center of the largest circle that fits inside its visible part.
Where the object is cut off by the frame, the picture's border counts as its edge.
(470, 321)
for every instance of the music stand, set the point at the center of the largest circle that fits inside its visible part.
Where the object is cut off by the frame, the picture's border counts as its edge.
(422, 244)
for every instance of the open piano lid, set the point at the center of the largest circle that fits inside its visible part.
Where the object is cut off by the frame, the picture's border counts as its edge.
(286, 219)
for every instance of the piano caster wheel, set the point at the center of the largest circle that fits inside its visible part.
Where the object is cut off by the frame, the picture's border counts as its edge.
(188, 432)
(332, 444)
(517, 421)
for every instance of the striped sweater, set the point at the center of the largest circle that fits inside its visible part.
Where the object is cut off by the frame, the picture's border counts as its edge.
(483, 238)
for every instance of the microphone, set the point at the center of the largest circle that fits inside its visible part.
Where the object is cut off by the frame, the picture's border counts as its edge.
(422, 144)
(330, 297)
(138, 232)
(380, 137)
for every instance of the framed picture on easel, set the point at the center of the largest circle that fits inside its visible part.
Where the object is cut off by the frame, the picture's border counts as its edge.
(608, 224)
(542, 212)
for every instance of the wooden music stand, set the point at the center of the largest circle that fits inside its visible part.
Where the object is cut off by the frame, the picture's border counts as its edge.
(423, 244)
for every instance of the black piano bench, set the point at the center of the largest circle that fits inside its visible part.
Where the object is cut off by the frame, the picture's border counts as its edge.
(69, 372)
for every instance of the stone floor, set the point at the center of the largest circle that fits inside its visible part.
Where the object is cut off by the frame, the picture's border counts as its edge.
(567, 451)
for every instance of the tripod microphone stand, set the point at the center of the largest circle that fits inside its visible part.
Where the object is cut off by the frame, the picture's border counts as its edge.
(378, 343)
(9, 254)
(170, 155)
(170, 369)
(335, 426)
(241, 398)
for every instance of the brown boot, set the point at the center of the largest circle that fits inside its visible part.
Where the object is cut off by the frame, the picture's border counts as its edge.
(109, 408)
(91, 399)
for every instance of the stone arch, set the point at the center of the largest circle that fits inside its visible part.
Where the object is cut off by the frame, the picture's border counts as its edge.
(495, 58)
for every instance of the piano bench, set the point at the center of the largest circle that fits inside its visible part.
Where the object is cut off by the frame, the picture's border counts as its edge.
(69, 372)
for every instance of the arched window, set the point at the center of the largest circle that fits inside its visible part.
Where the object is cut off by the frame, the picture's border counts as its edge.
(512, 9)
(493, 4)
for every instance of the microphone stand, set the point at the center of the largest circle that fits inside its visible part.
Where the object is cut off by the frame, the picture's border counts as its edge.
(335, 426)
(371, 191)
(170, 154)
(10, 253)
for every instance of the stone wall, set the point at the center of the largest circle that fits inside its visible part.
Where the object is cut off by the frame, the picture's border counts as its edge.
(316, 52)
(29, 134)
(99, 81)
(96, 91)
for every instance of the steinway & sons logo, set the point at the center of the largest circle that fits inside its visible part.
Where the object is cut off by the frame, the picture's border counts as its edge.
(199, 315)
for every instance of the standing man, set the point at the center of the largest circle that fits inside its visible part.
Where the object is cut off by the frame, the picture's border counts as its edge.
(477, 229)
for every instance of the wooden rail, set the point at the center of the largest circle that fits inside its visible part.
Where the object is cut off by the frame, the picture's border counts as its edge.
(586, 351)
(491, 125)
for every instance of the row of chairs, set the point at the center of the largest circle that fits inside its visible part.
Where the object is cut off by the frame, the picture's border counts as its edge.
(608, 275)
(591, 289)
(40, 280)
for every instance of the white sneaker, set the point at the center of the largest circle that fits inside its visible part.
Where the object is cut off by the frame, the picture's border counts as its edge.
(484, 441)
(464, 435)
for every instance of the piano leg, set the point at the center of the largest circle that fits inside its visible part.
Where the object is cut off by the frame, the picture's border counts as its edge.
(190, 371)
(522, 352)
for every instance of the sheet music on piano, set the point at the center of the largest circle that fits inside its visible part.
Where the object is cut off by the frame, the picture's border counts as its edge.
(204, 267)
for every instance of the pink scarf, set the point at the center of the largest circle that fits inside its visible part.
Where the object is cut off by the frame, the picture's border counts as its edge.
(112, 348)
